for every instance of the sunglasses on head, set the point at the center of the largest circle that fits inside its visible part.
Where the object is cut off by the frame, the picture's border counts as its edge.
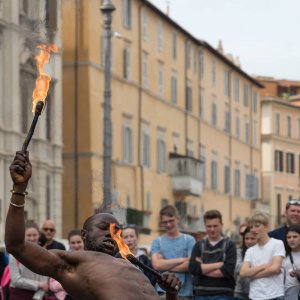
(293, 202)
(49, 229)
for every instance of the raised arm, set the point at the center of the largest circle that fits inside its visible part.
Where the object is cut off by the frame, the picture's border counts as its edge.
(23, 251)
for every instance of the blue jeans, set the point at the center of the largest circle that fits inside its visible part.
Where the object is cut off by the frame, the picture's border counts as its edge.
(215, 297)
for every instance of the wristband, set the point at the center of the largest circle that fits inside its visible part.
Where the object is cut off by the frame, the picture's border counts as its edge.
(19, 193)
(17, 205)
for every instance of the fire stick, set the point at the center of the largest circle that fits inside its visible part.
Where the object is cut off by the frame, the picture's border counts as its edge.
(136, 262)
(38, 110)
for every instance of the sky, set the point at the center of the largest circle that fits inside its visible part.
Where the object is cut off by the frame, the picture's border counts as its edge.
(264, 34)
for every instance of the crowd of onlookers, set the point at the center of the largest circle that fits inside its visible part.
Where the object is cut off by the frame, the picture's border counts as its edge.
(266, 265)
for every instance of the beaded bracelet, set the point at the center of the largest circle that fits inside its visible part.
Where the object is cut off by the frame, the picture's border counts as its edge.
(17, 205)
(19, 193)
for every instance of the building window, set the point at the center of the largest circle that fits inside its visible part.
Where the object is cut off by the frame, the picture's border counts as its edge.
(48, 197)
(51, 18)
(246, 95)
(188, 54)
(213, 73)
(201, 63)
(214, 114)
(277, 123)
(278, 161)
(254, 102)
(174, 88)
(254, 142)
(145, 148)
(236, 89)
(227, 177)
(290, 163)
(289, 126)
(247, 135)
(160, 35)
(227, 83)
(189, 149)
(279, 206)
(214, 175)
(49, 101)
(174, 45)
(145, 70)
(195, 60)
(127, 62)
(160, 80)
(202, 166)
(298, 124)
(189, 97)
(237, 127)
(201, 104)
(127, 145)
(237, 183)
(145, 24)
(161, 156)
(251, 187)
(148, 201)
(127, 13)
(227, 119)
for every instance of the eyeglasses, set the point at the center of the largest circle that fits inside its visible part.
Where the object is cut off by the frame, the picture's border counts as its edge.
(293, 202)
(167, 222)
(49, 229)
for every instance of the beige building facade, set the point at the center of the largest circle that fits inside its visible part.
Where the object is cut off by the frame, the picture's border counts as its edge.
(280, 154)
(20, 32)
(185, 120)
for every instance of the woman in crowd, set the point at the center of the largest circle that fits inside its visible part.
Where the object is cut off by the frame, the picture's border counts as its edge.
(291, 263)
(76, 244)
(23, 282)
(242, 284)
(130, 235)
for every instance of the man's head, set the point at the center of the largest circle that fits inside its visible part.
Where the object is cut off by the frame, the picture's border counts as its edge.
(169, 219)
(48, 228)
(292, 212)
(96, 234)
(213, 224)
(259, 223)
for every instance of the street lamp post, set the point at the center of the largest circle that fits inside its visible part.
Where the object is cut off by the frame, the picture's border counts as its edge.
(107, 8)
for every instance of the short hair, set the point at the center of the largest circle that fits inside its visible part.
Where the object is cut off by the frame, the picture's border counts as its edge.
(74, 232)
(212, 214)
(169, 210)
(294, 228)
(133, 227)
(31, 224)
(260, 218)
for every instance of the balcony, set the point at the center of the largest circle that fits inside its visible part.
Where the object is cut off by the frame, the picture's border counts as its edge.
(186, 174)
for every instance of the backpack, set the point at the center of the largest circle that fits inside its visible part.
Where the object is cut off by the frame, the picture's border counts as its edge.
(4, 284)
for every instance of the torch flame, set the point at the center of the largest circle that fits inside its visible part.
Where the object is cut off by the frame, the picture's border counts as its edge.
(123, 248)
(43, 81)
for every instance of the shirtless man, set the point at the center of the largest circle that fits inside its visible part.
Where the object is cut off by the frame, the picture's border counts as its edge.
(91, 275)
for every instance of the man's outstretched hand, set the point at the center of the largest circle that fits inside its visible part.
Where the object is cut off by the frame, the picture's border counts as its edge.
(20, 170)
(170, 283)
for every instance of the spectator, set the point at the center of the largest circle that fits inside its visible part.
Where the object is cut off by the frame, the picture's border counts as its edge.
(291, 263)
(48, 229)
(23, 282)
(241, 291)
(76, 244)
(130, 235)
(171, 251)
(262, 262)
(213, 261)
(292, 214)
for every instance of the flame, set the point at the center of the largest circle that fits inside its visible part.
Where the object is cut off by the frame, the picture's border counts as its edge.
(123, 248)
(43, 81)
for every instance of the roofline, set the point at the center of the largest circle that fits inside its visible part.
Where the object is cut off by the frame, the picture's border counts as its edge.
(278, 101)
(201, 43)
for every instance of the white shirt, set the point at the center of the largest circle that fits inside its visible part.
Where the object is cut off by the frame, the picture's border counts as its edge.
(267, 287)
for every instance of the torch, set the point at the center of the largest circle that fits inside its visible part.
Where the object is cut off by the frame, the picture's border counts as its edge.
(41, 88)
(126, 253)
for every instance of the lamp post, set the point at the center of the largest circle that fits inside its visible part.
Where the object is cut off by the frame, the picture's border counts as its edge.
(107, 8)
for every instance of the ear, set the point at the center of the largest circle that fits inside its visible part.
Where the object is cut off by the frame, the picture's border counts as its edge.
(83, 234)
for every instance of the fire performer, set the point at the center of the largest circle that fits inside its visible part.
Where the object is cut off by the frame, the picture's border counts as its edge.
(91, 275)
